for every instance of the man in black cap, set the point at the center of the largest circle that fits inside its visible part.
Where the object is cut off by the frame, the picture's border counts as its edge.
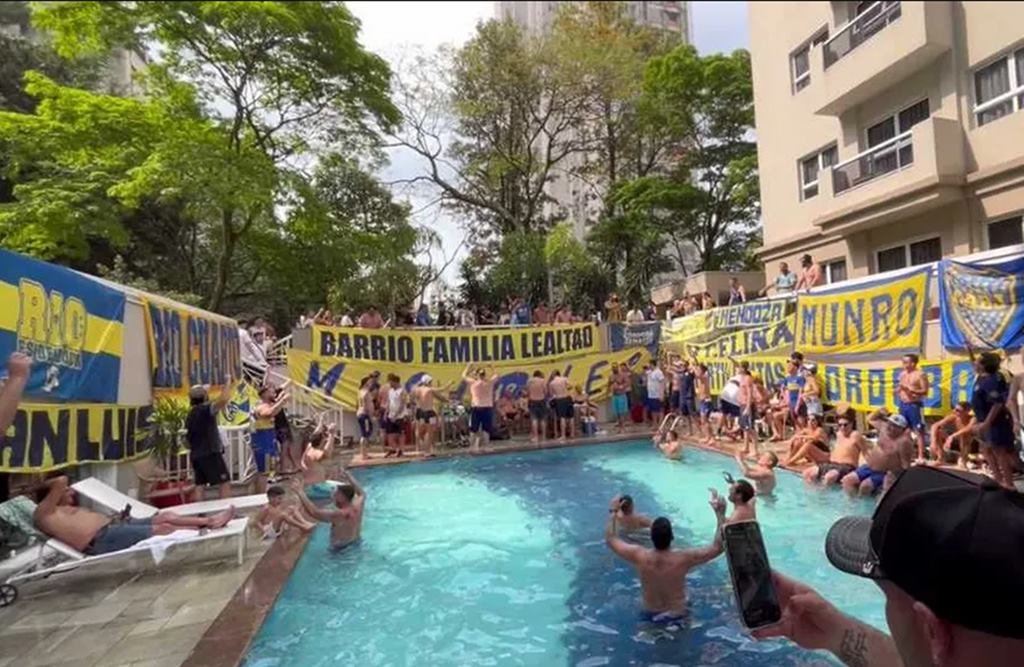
(662, 571)
(205, 446)
(945, 547)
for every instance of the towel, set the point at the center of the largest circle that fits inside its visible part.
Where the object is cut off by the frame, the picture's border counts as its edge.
(158, 544)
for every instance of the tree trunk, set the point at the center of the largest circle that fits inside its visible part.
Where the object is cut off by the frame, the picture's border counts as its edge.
(227, 253)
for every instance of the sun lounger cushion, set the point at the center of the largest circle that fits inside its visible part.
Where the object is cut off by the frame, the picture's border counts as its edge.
(17, 513)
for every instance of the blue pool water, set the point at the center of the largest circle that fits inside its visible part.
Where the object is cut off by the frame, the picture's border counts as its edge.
(501, 560)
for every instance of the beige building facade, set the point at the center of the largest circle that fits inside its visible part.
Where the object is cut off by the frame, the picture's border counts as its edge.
(889, 133)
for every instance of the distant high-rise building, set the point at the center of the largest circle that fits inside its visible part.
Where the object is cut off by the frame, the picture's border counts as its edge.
(577, 199)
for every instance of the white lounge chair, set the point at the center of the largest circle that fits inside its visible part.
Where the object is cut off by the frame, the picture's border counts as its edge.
(235, 529)
(113, 500)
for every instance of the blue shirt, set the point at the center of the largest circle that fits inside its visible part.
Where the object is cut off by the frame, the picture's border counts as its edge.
(990, 391)
(686, 385)
(793, 384)
(521, 315)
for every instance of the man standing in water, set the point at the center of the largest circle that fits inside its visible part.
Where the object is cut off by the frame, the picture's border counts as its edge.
(662, 571)
(481, 395)
(346, 517)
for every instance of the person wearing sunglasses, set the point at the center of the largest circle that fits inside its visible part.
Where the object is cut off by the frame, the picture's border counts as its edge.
(844, 457)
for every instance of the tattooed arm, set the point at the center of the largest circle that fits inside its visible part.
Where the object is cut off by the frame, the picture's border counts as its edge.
(814, 623)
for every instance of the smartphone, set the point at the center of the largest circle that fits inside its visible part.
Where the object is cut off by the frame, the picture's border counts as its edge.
(751, 574)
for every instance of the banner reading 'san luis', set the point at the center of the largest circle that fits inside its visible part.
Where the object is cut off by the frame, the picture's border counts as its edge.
(51, 436)
(883, 316)
(71, 326)
(460, 346)
(188, 347)
(340, 378)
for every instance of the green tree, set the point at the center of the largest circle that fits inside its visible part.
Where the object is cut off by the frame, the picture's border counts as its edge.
(631, 247)
(492, 123)
(583, 280)
(277, 80)
(708, 201)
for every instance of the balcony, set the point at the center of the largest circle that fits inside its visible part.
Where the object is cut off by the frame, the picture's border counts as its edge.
(904, 176)
(885, 44)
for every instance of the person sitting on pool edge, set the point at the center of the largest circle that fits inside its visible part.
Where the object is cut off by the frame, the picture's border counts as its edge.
(762, 472)
(811, 443)
(894, 453)
(628, 519)
(962, 437)
(346, 517)
(844, 458)
(272, 518)
(663, 571)
(932, 523)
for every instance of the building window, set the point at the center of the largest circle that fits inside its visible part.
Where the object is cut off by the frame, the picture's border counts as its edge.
(811, 166)
(801, 61)
(1003, 233)
(909, 254)
(835, 271)
(901, 153)
(999, 88)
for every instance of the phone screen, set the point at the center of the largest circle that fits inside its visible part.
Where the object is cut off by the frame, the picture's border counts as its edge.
(751, 574)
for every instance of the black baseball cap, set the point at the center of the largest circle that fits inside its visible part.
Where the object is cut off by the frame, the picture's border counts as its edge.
(950, 539)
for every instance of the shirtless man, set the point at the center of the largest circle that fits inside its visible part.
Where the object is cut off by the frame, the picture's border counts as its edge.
(663, 571)
(318, 449)
(619, 382)
(810, 274)
(910, 394)
(893, 454)
(845, 457)
(747, 398)
(669, 444)
(960, 420)
(762, 472)
(704, 406)
(627, 518)
(346, 517)
(810, 443)
(537, 404)
(481, 395)
(559, 388)
(423, 397)
(94, 534)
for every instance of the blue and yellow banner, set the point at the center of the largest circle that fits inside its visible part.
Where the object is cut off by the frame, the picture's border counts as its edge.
(461, 346)
(865, 388)
(752, 314)
(883, 316)
(686, 329)
(188, 347)
(71, 325)
(50, 436)
(982, 304)
(238, 410)
(765, 340)
(640, 334)
(340, 379)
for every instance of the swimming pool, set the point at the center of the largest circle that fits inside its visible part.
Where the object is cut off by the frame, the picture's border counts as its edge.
(501, 560)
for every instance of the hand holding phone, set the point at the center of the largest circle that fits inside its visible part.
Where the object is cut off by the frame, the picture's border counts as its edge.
(751, 575)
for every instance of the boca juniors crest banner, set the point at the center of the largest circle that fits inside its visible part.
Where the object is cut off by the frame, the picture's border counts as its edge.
(982, 304)
(71, 326)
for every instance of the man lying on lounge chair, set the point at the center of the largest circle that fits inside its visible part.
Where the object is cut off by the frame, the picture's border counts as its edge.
(94, 534)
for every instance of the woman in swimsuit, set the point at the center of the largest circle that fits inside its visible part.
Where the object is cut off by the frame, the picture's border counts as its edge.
(810, 444)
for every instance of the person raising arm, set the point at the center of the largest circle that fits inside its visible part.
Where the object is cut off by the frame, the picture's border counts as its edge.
(346, 517)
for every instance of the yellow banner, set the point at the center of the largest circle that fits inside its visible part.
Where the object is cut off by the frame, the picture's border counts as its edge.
(239, 407)
(340, 378)
(51, 436)
(865, 318)
(479, 346)
(686, 329)
(865, 388)
(771, 339)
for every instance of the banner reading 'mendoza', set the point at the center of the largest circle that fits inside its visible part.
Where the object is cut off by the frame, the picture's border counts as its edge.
(188, 346)
(71, 325)
(49, 436)
(340, 378)
(483, 346)
(886, 316)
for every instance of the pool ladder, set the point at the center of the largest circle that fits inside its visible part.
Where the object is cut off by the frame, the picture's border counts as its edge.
(675, 420)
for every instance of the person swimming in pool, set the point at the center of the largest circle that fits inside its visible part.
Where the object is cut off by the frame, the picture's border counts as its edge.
(318, 450)
(346, 517)
(762, 472)
(661, 569)
(669, 443)
(628, 519)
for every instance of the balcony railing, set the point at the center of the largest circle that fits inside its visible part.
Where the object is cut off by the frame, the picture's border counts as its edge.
(885, 158)
(868, 23)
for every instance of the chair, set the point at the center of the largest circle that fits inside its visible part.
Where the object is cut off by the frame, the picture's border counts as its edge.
(113, 500)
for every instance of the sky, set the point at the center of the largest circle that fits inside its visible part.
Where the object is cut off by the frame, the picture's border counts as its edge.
(393, 28)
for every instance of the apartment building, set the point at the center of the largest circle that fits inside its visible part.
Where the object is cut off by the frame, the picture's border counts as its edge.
(889, 133)
(574, 198)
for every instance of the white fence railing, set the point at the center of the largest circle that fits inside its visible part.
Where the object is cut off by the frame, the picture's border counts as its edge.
(309, 403)
(862, 28)
(885, 158)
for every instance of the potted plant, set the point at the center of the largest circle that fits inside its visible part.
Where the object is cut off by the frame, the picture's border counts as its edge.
(168, 475)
